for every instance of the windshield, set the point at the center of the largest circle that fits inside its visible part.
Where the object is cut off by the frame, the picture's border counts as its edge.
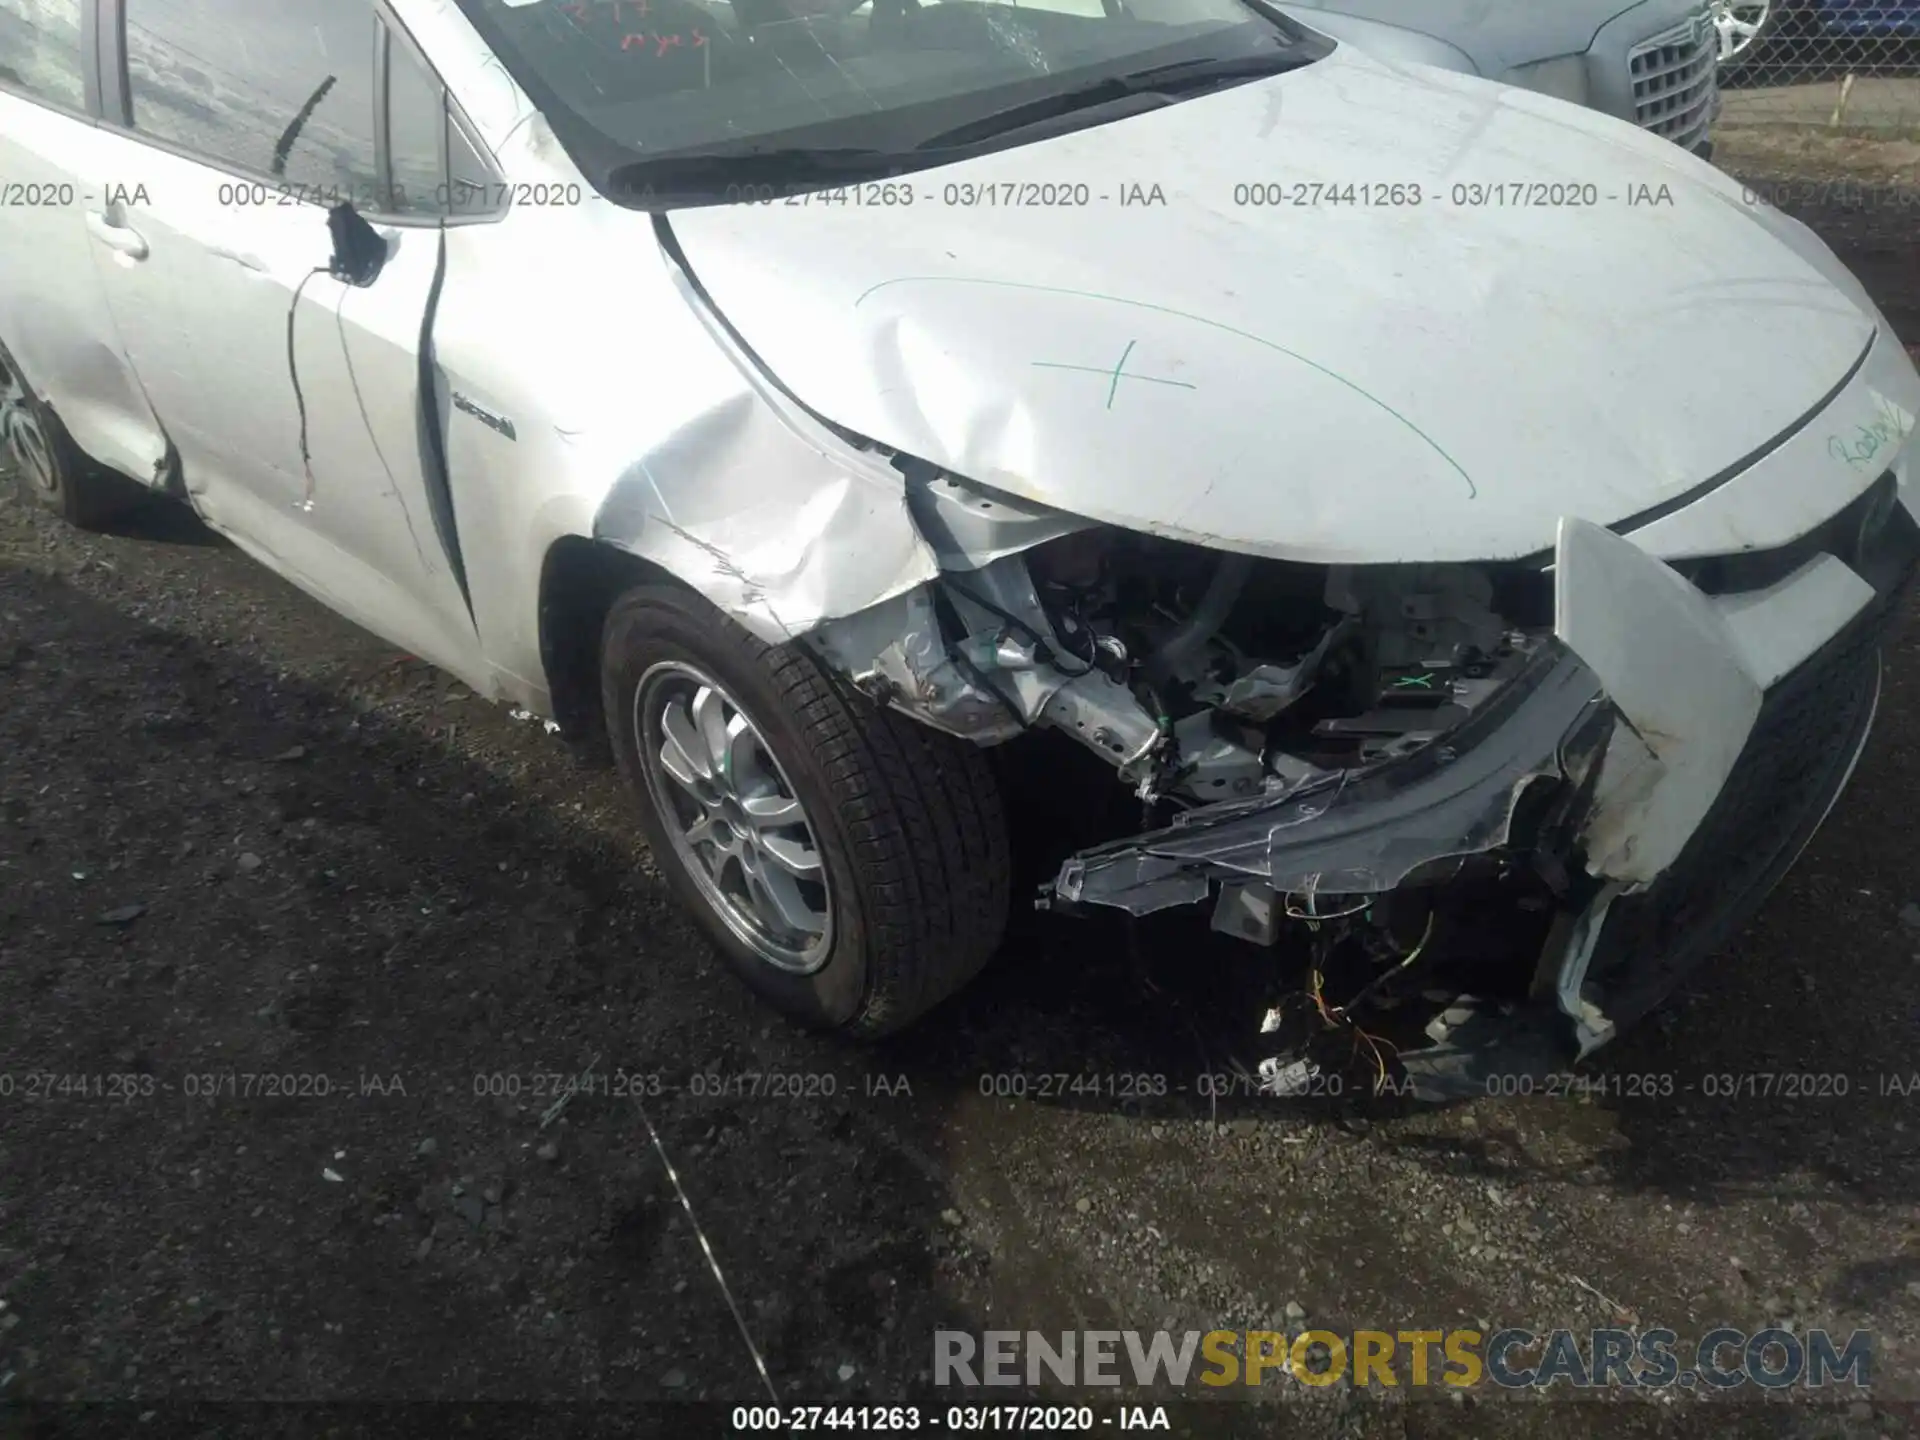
(658, 88)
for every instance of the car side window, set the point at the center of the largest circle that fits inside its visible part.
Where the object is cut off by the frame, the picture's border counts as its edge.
(416, 132)
(282, 89)
(435, 169)
(41, 52)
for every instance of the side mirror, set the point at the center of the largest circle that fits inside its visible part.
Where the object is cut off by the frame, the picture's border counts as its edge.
(359, 254)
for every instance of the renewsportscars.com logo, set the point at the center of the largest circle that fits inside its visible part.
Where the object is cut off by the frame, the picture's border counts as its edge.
(1513, 1359)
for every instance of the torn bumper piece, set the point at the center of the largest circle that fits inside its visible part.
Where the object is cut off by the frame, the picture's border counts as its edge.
(1498, 785)
(1626, 953)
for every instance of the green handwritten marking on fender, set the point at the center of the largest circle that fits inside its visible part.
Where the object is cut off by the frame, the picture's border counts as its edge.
(1118, 373)
(1473, 491)
(1868, 441)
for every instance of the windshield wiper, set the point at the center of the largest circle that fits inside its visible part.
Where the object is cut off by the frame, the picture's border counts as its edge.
(1109, 91)
(702, 172)
(1210, 70)
(1152, 81)
(745, 172)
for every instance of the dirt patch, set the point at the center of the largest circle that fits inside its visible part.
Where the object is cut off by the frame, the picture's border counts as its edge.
(1861, 194)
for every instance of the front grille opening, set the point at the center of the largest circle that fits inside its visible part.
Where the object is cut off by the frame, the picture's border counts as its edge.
(1673, 77)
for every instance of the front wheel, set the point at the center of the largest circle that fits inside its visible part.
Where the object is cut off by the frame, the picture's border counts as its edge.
(851, 865)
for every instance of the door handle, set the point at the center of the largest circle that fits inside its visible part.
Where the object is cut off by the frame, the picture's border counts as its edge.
(115, 236)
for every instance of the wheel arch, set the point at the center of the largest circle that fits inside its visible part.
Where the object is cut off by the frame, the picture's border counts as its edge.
(580, 578)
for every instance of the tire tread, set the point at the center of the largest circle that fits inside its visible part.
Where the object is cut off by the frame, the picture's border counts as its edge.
(922, 811)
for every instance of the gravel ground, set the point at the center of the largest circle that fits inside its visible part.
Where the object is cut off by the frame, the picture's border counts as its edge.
(243, 838)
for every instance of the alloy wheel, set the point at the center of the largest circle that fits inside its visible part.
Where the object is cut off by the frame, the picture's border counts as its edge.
(732, 816)
(1740, 23)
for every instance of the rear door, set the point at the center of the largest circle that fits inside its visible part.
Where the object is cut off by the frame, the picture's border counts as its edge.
(290, 395)
(54, 173)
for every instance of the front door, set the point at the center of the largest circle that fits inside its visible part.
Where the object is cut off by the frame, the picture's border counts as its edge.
(290, 395)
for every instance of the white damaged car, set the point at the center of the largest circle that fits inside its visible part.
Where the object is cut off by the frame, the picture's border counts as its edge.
(1465, 529)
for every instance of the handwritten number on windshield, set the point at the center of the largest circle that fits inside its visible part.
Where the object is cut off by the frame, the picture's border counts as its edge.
(664, 42)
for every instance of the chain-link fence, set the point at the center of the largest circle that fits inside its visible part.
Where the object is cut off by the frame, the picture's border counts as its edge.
(1820, 112)
(1846, 65)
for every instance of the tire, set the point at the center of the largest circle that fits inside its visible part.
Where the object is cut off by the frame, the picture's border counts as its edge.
(48, 467)
(905, 823)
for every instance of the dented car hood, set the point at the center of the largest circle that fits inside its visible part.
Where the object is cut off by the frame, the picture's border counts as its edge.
(1574, 319)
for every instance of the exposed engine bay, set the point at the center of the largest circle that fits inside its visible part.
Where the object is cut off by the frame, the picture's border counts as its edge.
(1478, 818)
(1215, 684)
(1199, 675)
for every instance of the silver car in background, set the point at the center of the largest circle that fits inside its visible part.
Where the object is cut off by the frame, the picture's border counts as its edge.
(1652, 64)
